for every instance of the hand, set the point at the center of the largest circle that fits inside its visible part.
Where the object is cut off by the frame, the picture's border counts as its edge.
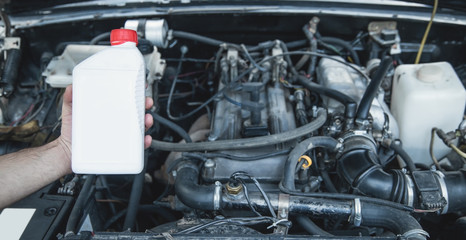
(65, 138)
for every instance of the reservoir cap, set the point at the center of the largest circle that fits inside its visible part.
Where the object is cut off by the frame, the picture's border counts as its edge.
(120, 36)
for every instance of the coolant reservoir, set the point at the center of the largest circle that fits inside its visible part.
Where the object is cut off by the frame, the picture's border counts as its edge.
(108, 109)
(425, 96)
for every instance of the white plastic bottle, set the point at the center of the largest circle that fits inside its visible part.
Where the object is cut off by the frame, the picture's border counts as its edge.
(108, 109)
(425, 96)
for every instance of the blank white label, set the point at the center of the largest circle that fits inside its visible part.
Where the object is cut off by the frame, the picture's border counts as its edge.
(13, 222)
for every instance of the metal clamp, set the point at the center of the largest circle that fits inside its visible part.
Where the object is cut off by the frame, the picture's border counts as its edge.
(443, 188)
(410, 190)
(217, 192)
(357, 212)
(415, 232)
(282, 213)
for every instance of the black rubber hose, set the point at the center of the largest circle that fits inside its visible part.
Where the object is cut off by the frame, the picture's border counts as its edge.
(10, 71)
(244, 143)
(371, 90)
(99, 38)
(297, 43)
(173, 126)
(350, 104)
(372, 215)
(288, 58)
(456, 188)
(135, 197)
(328, 181)
(398, 222)
(203, 39)
(189, 191)
(344, 44)
(396, 146)
(77, 210)
(311, 227)
(300, 149)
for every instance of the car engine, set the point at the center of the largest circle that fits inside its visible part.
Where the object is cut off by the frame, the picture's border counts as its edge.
(299, 121)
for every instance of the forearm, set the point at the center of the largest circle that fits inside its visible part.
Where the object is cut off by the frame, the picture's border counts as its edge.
(26, 171)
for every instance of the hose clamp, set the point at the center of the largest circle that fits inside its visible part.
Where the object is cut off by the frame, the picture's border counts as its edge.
(357, 212)
(443, 188)
(410, 190)
(218, 190)
(415, 234)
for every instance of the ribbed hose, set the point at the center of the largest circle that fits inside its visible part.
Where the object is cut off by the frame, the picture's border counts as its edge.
(300, 149)
(77, 210)
(244, 143)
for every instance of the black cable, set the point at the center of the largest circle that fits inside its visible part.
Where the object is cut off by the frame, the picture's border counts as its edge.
(135, 197)
(173, 126)
(183, 50)
(344, 196)
(248, 56)
(76, 212)
(230, 221)
(246, 196)
(237, 175)
(371, 90)
(99, 38)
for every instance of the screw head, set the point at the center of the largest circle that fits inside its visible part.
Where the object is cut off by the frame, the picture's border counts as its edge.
(50, 211)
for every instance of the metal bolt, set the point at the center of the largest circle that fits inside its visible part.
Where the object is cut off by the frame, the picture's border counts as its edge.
(50, 211)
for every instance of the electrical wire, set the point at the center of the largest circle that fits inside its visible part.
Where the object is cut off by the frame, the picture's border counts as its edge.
(426, 33)
(239, 174)
(457, 150)
(230, 221)
(431, 148)
(172, 89)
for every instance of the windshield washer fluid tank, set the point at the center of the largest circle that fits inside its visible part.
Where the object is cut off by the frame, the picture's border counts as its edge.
(425, 96)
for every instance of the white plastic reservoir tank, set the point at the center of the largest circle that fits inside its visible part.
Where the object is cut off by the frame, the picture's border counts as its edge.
(425, 96)
(108, 109)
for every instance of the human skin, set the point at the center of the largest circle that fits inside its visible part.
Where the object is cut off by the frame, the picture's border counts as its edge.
(28, 170)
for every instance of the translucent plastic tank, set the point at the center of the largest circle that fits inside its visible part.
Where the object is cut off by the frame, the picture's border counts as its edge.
(108, 109)
(425, 96)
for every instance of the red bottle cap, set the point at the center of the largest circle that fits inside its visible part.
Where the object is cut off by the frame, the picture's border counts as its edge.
(120, 36)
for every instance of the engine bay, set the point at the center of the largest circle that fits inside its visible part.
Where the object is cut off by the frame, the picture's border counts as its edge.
(272, 124)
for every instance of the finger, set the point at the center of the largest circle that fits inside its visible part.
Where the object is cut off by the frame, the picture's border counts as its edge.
(148, 121)
(68, 95)
(147, 141)
(149, 103)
